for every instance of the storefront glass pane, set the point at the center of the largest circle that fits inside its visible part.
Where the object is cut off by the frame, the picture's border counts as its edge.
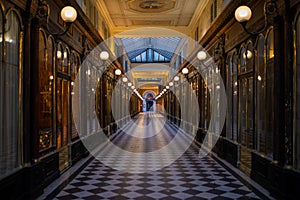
(45, 90)
(269, 105)
(297, 101)
(10, 151)
(260, 96)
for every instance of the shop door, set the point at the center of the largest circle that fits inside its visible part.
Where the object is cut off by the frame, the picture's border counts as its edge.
(63, 123)
(246, 122)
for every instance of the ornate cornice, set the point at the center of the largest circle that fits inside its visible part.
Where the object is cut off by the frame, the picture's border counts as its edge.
(195, 19)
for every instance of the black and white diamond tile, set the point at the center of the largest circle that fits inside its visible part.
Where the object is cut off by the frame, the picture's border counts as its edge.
(189, 177)
(184, 179)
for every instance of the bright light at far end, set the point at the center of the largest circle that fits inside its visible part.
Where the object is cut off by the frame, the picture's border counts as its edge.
(118, 72)
(185, 70)
(243, 14)
(68, 14)
(104, 55)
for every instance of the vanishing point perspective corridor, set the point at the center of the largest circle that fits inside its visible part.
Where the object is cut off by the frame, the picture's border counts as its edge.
(149, 99)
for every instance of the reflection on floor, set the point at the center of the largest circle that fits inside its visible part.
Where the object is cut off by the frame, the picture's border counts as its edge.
(189, 177)
(245, 160)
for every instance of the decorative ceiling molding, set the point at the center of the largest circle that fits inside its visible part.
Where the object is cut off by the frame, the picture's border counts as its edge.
(105, 13)
(151, 6)
(138, 32)
(121, 16)
(197, 14)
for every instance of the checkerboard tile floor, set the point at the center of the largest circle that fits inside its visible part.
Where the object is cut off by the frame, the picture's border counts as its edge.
(189, 177)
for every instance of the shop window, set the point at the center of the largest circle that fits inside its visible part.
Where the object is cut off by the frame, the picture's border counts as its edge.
(269, 93)
(297, 99)
(59, 58)
(207, 105)
(242, 60)
(260, 77)
(10, 94)
(246, 112)
(75, 63)
(62, 112)
(260, 95)
(248, 56)
(246, 97)
(46, 79)
(229, 98)
(232, 92)
(270, 45)
(65, 63)
(62, 97)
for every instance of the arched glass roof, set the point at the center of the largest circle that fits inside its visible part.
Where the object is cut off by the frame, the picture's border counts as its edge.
(150, 50)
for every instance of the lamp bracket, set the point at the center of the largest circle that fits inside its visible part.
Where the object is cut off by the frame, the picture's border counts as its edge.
(43, 14)
(270, 10)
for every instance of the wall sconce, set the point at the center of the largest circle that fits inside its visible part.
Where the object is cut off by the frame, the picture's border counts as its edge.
(201, 55)
(125, 79)
(244, 13)
(185, 71)
(68, 15)
(104, 55)
(118, 72)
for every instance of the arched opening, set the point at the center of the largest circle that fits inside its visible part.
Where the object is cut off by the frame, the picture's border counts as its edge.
(149, 103)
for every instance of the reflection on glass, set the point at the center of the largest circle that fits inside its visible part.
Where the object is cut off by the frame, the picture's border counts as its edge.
(297, 102)
(45, 89)
(62, 112)
(10, 151)
(270, 45)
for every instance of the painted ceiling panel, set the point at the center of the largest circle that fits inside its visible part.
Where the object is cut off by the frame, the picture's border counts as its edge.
(151, 12)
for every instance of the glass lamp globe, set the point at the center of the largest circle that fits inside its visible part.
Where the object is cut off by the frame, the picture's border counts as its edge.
(185, 70)
(104, 55)
(243, 14)
(68, 14)
(125, 79)
(201, 55)
(118, 72)
(176, 78)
